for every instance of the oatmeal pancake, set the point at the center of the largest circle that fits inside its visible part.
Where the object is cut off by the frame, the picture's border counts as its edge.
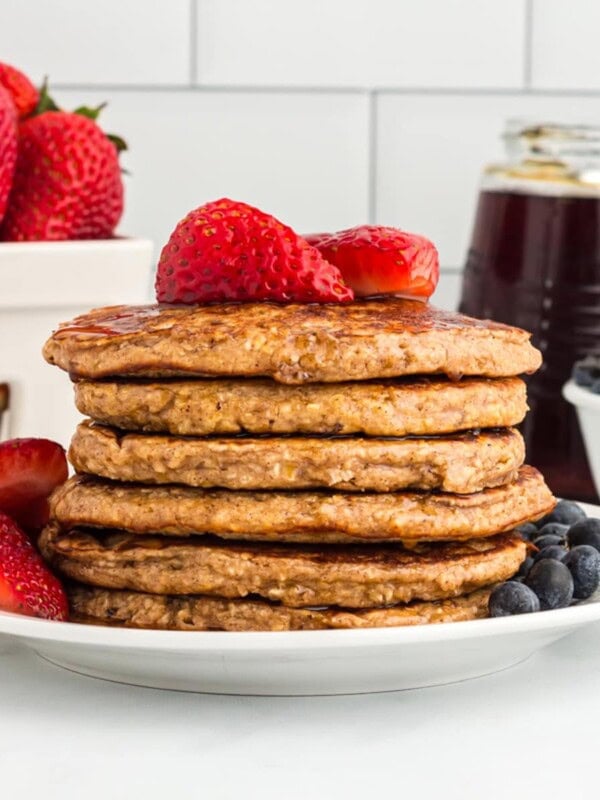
(456, 463)
(164, 612)
(399, 407)
(301, 516)
(295, 343)
(352, 576)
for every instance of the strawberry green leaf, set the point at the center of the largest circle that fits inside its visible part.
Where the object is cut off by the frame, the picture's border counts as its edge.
(90, 113)
(118, 142)
(45, 103)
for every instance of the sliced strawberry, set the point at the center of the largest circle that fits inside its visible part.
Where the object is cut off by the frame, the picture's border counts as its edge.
(226, 250)
(30, 469)
(26, 585)
(377, 260)
(22, 91)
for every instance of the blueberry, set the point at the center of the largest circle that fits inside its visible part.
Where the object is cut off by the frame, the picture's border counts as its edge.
(583, 562)
(548, 541)
(512, 597)
(587, 371)
(554, 529)
(524, 568)
(528, 530)
(552, 582)
(582, 376)
(554, 551)
(565, 513)
(587, 531)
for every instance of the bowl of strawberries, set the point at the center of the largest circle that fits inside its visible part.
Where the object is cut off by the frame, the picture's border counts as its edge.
(61, 200)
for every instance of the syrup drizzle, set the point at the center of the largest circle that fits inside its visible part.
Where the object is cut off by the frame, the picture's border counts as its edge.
(125, 319)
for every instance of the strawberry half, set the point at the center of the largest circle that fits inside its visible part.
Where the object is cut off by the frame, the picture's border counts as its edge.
(26, 585)
(226, 250)
(8, 147)
(30, 469)
(377, 260)
(22, 91)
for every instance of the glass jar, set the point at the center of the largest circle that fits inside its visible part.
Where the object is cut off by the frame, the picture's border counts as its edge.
(534, 262)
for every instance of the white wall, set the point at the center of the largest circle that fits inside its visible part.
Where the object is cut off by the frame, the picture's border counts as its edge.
(326, 112)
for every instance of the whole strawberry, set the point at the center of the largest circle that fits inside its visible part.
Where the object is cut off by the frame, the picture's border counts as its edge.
(8, 147)
(375, 260)
(22, 91)
(26, 585)
(67, 183)
(227, 250)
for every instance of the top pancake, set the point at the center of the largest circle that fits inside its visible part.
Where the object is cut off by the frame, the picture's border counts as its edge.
(290, 343)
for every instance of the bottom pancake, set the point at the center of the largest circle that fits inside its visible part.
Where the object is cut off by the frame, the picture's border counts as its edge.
(194, 613)
(352, 576)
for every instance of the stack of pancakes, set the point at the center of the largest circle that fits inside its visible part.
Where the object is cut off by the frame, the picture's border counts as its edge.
(268, 467)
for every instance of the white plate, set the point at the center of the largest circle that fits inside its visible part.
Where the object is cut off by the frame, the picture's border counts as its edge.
(300, 662)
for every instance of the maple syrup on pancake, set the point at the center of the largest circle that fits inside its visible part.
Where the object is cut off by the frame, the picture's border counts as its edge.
(126, 319)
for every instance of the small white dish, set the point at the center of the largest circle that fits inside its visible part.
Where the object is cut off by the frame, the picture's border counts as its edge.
(301, 662)
(43, 284)
(588, 414)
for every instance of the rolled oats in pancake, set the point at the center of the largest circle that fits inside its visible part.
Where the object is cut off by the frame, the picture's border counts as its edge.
(399, 407)
(297, 343)
(460, 463)
(192, 613)
(352, 576)
(301, 516)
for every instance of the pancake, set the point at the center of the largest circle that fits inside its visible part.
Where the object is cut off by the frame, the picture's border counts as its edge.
(301, 516)
(354, 576)
(229, 406)
(290, 343)
(138, 610)
(460, 463)
(135, 610)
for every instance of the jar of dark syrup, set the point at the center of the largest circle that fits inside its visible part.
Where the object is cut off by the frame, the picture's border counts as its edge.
(534, 262)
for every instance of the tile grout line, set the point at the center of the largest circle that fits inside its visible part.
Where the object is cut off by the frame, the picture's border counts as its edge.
(193, 42)
(372, 158)
(528, 46)
(330, 90)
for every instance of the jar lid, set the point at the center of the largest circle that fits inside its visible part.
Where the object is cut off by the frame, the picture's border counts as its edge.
(555, 149)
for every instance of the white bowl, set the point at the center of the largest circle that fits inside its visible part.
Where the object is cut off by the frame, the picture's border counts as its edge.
(588, 413)
(42, 284)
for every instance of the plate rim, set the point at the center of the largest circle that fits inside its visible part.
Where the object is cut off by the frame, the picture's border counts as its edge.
(71, 633)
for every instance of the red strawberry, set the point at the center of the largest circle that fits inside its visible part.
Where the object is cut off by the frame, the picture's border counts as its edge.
(226, 250)
(22, 91)
(26, 584)
(8, 147)
(30, 469)
(377, 260)
(67, 183)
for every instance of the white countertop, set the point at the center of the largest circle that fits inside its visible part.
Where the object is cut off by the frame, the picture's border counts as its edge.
(529, 732)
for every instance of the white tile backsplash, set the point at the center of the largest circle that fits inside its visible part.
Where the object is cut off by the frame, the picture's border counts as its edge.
(303, 157)
(431, 150)
(326, 112)
(566, 44)
(365, 43)
(447, 294)
(90, 43)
